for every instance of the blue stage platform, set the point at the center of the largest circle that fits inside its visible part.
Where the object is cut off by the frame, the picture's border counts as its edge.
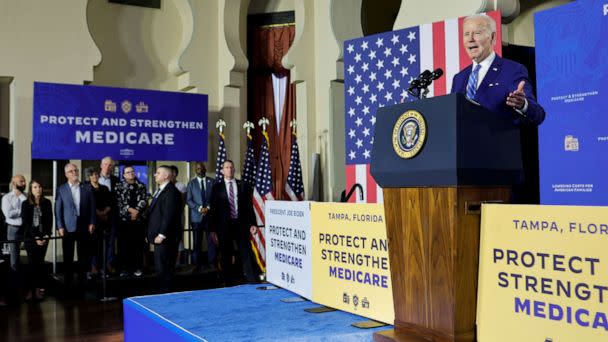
(240, 313)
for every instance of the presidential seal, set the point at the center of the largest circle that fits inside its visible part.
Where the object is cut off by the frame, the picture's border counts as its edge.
(409, 134)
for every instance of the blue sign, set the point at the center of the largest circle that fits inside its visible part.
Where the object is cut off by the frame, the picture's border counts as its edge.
(571, 55)
(90, 122)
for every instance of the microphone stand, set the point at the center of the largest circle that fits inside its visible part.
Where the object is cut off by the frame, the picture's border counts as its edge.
(104, 298)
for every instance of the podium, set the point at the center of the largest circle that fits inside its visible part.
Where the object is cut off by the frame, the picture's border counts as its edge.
(437, 160)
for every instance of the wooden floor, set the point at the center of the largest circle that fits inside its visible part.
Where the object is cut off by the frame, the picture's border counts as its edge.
(68, 316)
(65, 319)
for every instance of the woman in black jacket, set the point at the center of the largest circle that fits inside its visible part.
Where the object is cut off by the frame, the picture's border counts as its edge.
(37, 216)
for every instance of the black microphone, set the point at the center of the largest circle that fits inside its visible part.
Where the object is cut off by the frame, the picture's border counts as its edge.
(437, 73)
(425, 78)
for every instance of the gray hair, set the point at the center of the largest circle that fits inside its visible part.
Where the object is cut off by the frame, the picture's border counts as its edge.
(65, 168)
(490, 23)
(106, 159)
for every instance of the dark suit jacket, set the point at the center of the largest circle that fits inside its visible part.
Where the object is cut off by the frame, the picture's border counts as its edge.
(502, 78)
(46, 221)
(219, 213)
(164, 215)
(195, 199)
(66, 215)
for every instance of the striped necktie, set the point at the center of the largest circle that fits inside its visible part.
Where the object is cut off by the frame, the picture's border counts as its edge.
(233, 213)
(472, 84)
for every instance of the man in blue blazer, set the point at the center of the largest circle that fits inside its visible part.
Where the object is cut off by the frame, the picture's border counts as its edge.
(198, 196)
(503, 87)
(496, 83)
(75, 219)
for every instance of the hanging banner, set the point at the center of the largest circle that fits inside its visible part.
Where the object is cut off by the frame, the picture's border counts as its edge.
(543, 274)
(572, 77)
(351, 270)
(289, 246)
(90, 122)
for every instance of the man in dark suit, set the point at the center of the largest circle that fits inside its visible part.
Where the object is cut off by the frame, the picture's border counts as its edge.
(198, 195)
(164, 222)
(496, 83)
(75, 219)
(231, 218)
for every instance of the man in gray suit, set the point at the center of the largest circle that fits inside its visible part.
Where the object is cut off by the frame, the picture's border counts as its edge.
(75, 220)
(197, 197)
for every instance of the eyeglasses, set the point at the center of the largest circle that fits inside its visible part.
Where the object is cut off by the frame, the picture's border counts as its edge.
(73, 170)
(129, 172)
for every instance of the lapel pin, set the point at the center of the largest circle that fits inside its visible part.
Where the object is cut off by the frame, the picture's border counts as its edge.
(495, 69)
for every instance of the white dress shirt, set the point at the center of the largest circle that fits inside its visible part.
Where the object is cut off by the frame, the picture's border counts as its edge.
(75, 188)
(11, 207)
(105, 181)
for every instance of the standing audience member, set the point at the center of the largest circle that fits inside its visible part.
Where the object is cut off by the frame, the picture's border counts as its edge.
(75, 218)
(107, 178)
(198, 196)
(11, 208)
(231, 218)
(103, 208)
(132, 201)
(37, 216)
(164, 218)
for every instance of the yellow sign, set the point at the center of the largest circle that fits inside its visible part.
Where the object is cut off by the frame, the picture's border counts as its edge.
(351, 270)
(543, 274)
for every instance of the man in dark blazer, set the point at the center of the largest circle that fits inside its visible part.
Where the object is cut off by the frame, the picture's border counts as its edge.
(198, 195)
(164, 226)
(231, 218)
(496, 83)
(75, 219)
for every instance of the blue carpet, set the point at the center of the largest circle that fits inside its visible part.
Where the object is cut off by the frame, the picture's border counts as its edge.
(240, 313)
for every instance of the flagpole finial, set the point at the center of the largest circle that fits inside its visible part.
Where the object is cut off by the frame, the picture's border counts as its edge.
(264, 122)
(294, 126)
(220, 125)
(248, 126)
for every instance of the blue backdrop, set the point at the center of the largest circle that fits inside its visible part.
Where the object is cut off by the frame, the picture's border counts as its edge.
(90, 122)
(572, 69)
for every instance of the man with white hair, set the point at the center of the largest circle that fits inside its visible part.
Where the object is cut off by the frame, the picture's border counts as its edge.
(75, 220)
(498, 84)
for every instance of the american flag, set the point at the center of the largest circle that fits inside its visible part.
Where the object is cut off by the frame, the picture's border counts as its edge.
(261, 193)
(377, 72)
(249, 169)
(294, 188)
(221, 158)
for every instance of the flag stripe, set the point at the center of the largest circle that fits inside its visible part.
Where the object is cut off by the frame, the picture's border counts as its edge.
(452, 59)
(372, 187)
(439, 56)
(361, 175)
(426, 51)
(463, 56)
(350, 179)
